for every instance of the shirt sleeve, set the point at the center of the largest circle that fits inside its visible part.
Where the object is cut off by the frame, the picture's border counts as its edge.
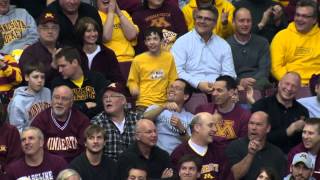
(180, 54)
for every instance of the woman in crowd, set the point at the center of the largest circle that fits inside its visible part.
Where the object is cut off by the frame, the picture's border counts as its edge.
(100, 58)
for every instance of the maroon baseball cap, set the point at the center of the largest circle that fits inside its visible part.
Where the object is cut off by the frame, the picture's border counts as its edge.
(46, 17)
(119, 88)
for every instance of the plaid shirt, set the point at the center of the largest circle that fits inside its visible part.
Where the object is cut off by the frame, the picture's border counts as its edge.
(116, 143)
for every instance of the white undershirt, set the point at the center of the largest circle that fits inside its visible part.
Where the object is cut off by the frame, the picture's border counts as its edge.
(120, 125)
(92, 55)
(201, 150)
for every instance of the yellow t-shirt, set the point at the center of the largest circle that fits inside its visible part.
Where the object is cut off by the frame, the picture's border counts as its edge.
(119, 44)
(152, 76)
(78, 82)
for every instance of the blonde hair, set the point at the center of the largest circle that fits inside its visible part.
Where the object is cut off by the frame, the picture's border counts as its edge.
(65, 174)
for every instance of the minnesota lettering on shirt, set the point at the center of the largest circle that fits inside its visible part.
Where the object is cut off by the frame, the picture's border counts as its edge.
(62, 144)
(47, 175)
(12, 30)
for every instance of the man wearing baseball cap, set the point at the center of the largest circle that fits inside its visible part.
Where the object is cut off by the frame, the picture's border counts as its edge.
(117, 120)
(301, 167)
(42, 51)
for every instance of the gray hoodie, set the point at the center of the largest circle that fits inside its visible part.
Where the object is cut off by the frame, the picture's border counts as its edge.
(24, 106)
(18, 29)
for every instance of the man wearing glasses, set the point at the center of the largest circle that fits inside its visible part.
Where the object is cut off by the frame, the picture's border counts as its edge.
(296, 48)
(171, 119)
(145, 152)
(200, 55)
(116, 119)
(62, 125)
(42, 51)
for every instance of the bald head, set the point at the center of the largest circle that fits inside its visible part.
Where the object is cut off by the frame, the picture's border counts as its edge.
(142, 124)
(292, 76)
(199, 118)
(261, 115)
(258, 126)
(63, 90)
(203, 128)
(146, 133)
(241, 12)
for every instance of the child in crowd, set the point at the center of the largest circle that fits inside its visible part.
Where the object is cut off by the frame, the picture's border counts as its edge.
(151, 72)
(28, 101)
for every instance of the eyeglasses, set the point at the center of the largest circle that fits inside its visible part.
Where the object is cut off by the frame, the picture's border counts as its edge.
(148, 132)
(63, 98)
(46, 28)
(175, 88)
(112, 97)
(303, 16)
(206, 19)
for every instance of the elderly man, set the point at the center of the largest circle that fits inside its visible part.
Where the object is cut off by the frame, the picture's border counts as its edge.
(36, 162)
(286, 115)
(69, 12)
(171, 119)
(17, 27)
(302, 53)
(42, 51)
(310, 144)
(247, 155)
(62, 125)
(93, 164)
(203, 128)
(301, 167)
(200, 55)
(146, 153)
(118, 121)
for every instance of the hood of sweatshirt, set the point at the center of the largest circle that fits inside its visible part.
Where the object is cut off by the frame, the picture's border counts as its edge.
(193, 3)
(26, 98)
(314, 30)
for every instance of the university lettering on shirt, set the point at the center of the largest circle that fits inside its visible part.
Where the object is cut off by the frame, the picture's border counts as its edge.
(210, 171)
(12, 30)
(36, 108)
(62, 144)
(47, 175)
(84, 93)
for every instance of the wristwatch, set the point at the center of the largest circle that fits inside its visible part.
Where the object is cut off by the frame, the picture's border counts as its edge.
(182, 133)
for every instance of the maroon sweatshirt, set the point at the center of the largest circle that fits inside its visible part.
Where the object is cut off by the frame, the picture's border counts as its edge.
(10, 146)
(167, 17)
(64, 139)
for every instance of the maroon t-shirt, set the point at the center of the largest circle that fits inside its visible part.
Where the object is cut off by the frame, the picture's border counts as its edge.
(64, 139)
(10, 146)
(168, 17)
(47, 170)
(234, 125)
(213, 166)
